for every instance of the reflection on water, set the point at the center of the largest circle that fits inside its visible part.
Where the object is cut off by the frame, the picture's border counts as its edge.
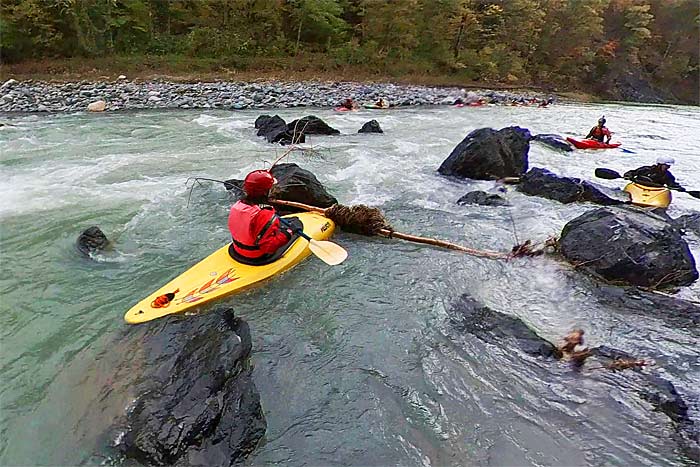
(356, 364)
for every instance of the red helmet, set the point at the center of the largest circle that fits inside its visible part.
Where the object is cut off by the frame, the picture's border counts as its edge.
(258, 183)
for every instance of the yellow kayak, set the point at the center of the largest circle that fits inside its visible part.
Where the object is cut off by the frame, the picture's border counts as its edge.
(219, 275)
(658, 197)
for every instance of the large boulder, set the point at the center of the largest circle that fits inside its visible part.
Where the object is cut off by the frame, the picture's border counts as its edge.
(293, 184)
(310, 125)
(196, 403)
(542, 182)
(371, 127)
(487, 154)
(630, 247)
(91, 241)
(554, 141)
(274, 129)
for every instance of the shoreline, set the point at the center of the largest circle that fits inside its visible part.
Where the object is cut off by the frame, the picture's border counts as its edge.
(30, 96)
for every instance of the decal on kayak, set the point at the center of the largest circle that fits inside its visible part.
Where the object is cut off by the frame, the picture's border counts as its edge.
(164, 300)
(209, 286)
(325, 226)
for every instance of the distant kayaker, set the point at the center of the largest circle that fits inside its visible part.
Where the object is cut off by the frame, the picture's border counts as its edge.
(381, 103)
(657, 174)
(600, 132)
(255, 228)
(348, 104)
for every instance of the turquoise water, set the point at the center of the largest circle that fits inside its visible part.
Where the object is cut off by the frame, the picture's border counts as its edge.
(356, 364)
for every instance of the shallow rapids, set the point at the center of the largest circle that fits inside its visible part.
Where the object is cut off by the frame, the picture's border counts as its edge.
(356, 364)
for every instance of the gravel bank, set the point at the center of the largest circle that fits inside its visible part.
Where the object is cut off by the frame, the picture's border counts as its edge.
(34, 96)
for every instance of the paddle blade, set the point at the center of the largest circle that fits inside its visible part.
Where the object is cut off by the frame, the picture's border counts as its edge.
(607, 174)
(694, 194)
(328, 252)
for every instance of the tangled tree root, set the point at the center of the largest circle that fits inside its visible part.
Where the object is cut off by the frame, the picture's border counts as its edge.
(359, 219)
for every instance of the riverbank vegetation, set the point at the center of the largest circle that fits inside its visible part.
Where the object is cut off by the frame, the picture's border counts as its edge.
(619, 49)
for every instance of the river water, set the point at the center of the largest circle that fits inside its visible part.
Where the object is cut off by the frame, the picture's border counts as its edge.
(356, 364)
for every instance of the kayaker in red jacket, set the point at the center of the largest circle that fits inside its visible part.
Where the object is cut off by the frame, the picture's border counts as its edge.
(349, 104)
(655, 175)
(257, 233)
(600, 132)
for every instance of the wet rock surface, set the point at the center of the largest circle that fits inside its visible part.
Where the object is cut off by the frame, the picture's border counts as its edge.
(468, 316)
(275, 130)
(688, 222)
(311, 125)
(554, 141)
(293, 184)
(196, 401)
(487, 154)
(629, 247)
(632, 300)
(542, 182)
(92, 240)
(482, 198)
(371, 127)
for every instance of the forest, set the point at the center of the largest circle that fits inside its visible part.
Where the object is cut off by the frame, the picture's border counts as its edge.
(596, 46)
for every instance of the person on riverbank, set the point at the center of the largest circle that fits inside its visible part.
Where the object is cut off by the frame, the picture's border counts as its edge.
(257, 232)
(600, 132)
(348, 104)
(657, 174)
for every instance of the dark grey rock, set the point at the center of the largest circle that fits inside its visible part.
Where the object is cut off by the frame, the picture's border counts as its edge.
(632, 300)
(688, 222)
(371, 127)
(274, 129)
(483, 198)
(487, 154)
(92, 240)
(469, 316)
(311, 125)
(197, 403)
(293, 184)
(554, 141)
(629, 247)
(542, 182)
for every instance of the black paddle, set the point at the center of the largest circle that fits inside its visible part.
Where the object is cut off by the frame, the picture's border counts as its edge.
(609, 174)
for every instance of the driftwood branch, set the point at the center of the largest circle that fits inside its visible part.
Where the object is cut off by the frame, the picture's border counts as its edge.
(411, 238)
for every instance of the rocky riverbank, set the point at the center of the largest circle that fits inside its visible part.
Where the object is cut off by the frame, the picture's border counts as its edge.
(124, 94)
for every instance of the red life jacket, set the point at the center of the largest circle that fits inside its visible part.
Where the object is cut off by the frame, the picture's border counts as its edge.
(255, 230)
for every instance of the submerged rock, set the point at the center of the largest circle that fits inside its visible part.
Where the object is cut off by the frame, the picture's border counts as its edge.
(92, 240)
(554, 141)
(542, 182)
(311, 125)
(675, 311)
(689, 222)
(469, 316)
(629, 247)
(487, 154)
(371, 127)
(293, 184)
(196, 401)
(482, 198)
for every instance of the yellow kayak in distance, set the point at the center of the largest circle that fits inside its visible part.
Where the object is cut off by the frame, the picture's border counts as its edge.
(219, 275)
(658, 197)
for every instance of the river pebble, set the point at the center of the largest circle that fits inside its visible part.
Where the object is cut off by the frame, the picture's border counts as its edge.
(122, 94)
